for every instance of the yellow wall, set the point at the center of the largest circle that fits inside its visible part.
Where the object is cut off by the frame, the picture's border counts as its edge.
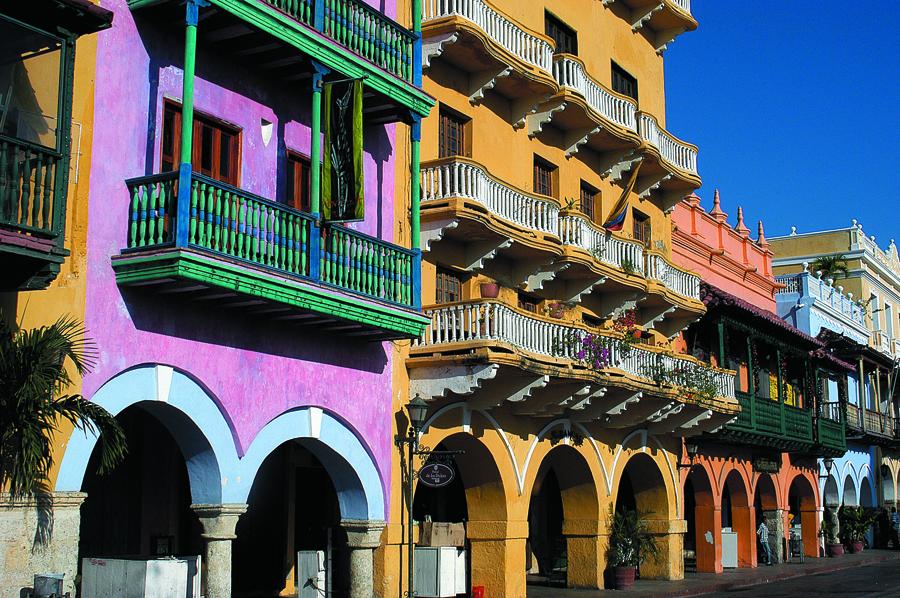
(66, 294)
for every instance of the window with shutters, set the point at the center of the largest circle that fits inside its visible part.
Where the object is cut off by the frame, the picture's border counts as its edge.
(624, 83)
(215, 147)
(297, 192)
(565, 37)
(641, 223)
(589, 197)
(448, 287)
(453, 134)
(544, 177)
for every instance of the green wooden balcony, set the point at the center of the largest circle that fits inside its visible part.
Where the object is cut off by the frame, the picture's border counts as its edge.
(268, 258)
(32, 213)
(771, 423)
(283, 38)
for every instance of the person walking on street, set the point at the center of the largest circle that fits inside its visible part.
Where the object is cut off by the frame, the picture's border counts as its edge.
(762, 532)
(895, 528)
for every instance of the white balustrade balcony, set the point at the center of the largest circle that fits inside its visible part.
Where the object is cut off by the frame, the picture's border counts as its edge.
(679, 281)
(505, 32)
(460, 177)
(684, 5)
(824, 291)
(675, 152)
(493, 321)
(570, 73)
(619, 253)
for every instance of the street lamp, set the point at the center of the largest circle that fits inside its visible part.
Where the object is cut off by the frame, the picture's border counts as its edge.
(692, 449)
(417, 410)
(828, 463)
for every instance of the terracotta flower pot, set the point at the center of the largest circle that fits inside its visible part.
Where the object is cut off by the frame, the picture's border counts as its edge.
(856, 546)
(489, 290)
(624, 577)
(835, 550)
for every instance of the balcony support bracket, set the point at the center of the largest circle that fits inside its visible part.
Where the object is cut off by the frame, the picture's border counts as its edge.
(543, 115)
(439, 381)
(482, 81)
(433, 47)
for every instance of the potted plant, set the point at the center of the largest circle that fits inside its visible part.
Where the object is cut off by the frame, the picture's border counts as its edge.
(630, 544)
(829, 533)
(855, 523)
(489, 290)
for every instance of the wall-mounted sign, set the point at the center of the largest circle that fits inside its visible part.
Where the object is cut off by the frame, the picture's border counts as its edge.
(436, 474)
(766, 465)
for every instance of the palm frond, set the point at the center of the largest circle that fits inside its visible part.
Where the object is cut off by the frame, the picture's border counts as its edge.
(34, 373)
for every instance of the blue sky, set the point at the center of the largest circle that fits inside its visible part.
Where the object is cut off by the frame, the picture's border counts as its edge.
(794, 105)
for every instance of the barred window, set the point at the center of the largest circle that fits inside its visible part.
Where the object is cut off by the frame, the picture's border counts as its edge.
(448, 288)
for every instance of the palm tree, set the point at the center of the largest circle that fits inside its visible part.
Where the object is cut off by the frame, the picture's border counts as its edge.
(831, 265)
(33, 380)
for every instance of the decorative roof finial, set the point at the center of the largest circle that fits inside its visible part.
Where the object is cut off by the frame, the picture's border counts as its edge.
(693, 199)
(793, 231)
(761, 238)
(716, 211)
(741, 228)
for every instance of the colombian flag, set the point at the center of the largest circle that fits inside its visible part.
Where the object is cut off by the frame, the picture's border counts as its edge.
(616, 218)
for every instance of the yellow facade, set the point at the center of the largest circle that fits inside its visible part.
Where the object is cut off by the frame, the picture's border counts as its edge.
(66, 294)
(530, 420)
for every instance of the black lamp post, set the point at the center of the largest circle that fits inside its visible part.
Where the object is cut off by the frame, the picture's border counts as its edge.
(417, 409)
(828, 463)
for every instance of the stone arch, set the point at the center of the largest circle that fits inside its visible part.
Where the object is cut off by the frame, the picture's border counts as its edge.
(803, 504)
(741, 516)
(180, 404)
(866, 494)
(831, 494)
(849, 497)
(564, 514)
(703, 527)
(888, 486)
(641, 484)
(206, 438)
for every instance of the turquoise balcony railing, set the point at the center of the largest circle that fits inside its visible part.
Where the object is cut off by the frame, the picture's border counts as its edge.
(243, 227)
(359, 28)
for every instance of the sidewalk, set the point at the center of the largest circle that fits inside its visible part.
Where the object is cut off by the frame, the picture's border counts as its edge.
(697, 584)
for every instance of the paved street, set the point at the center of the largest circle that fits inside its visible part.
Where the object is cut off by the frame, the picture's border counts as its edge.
(876, 570)
(878, 580)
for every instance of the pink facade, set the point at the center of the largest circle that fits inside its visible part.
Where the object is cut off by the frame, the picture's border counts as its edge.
(724, 256)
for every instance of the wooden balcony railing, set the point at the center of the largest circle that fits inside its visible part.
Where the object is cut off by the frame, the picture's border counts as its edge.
(569, 72)
(505, 32)
(461, 177)
(774, 418)
(30, 202)
(359, 28)
(494, 321)
(241, 226)
(879, 423)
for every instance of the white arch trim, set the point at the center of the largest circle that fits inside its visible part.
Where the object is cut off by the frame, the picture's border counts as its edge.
(216, 471)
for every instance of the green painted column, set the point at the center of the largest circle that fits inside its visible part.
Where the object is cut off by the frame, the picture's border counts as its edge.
(183, 211)
(315, 146)
(187, 85)
(414, 183)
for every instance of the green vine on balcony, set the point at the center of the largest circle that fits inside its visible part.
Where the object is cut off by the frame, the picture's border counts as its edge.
(695, 382)
(597, 350)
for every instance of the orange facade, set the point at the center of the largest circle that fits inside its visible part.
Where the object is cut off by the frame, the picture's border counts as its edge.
(727, 488)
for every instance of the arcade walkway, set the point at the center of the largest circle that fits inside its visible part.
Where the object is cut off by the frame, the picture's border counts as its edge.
(697, 584)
